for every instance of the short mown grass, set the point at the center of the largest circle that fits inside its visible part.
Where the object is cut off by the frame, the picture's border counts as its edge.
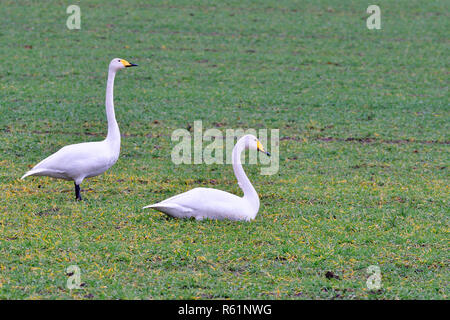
(364, 148)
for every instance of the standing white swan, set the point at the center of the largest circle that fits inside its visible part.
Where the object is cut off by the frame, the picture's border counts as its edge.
(84, 160)
(210, 203)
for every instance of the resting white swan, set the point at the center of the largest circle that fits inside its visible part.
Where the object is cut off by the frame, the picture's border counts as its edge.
(209, 203)
(84, 160)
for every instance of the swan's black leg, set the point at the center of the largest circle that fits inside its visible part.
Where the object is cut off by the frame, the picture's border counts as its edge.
(77, 192)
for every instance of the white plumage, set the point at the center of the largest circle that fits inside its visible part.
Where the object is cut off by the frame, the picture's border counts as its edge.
(77, 161)
(84, 160)
(201, 203)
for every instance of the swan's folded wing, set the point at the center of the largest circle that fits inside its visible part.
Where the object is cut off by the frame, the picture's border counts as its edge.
(42, 172)
(183, 203)
(202, 203)
(83, 157)
(170, 206)
(80, 152)
(172, 209)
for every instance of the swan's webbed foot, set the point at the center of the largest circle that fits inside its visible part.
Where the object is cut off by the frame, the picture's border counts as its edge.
(77, 193)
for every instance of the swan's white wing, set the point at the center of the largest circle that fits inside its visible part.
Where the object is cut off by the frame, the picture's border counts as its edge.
(76, 161)
(172, 209)
(44, 172)
(204, 203)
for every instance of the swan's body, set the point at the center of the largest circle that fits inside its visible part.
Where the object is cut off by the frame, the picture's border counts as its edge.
(84, 160)
(207, 203)
(78, 161)
(201, 203)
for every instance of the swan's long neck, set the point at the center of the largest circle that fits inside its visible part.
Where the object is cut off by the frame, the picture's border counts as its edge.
(250, 193)
(113, 128)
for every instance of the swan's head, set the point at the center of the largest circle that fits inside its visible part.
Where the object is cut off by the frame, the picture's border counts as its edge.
(118, 63)
(252, 143)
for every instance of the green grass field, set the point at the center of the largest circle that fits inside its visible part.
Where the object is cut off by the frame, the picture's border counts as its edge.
(364, 148)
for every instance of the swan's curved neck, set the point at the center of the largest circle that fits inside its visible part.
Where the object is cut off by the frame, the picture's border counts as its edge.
(113, 127)
(250, 193)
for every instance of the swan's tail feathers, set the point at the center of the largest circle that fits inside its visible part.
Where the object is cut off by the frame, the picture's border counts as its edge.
(25, 175)
(172, 209)
(40, 172)
(161, 205)
(30, 173)
(150, 206)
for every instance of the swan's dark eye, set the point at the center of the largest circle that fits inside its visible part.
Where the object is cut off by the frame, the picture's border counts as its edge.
(118, 60)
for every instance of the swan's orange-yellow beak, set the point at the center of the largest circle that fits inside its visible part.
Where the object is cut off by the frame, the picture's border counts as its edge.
(260, 147)
(126, 64)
